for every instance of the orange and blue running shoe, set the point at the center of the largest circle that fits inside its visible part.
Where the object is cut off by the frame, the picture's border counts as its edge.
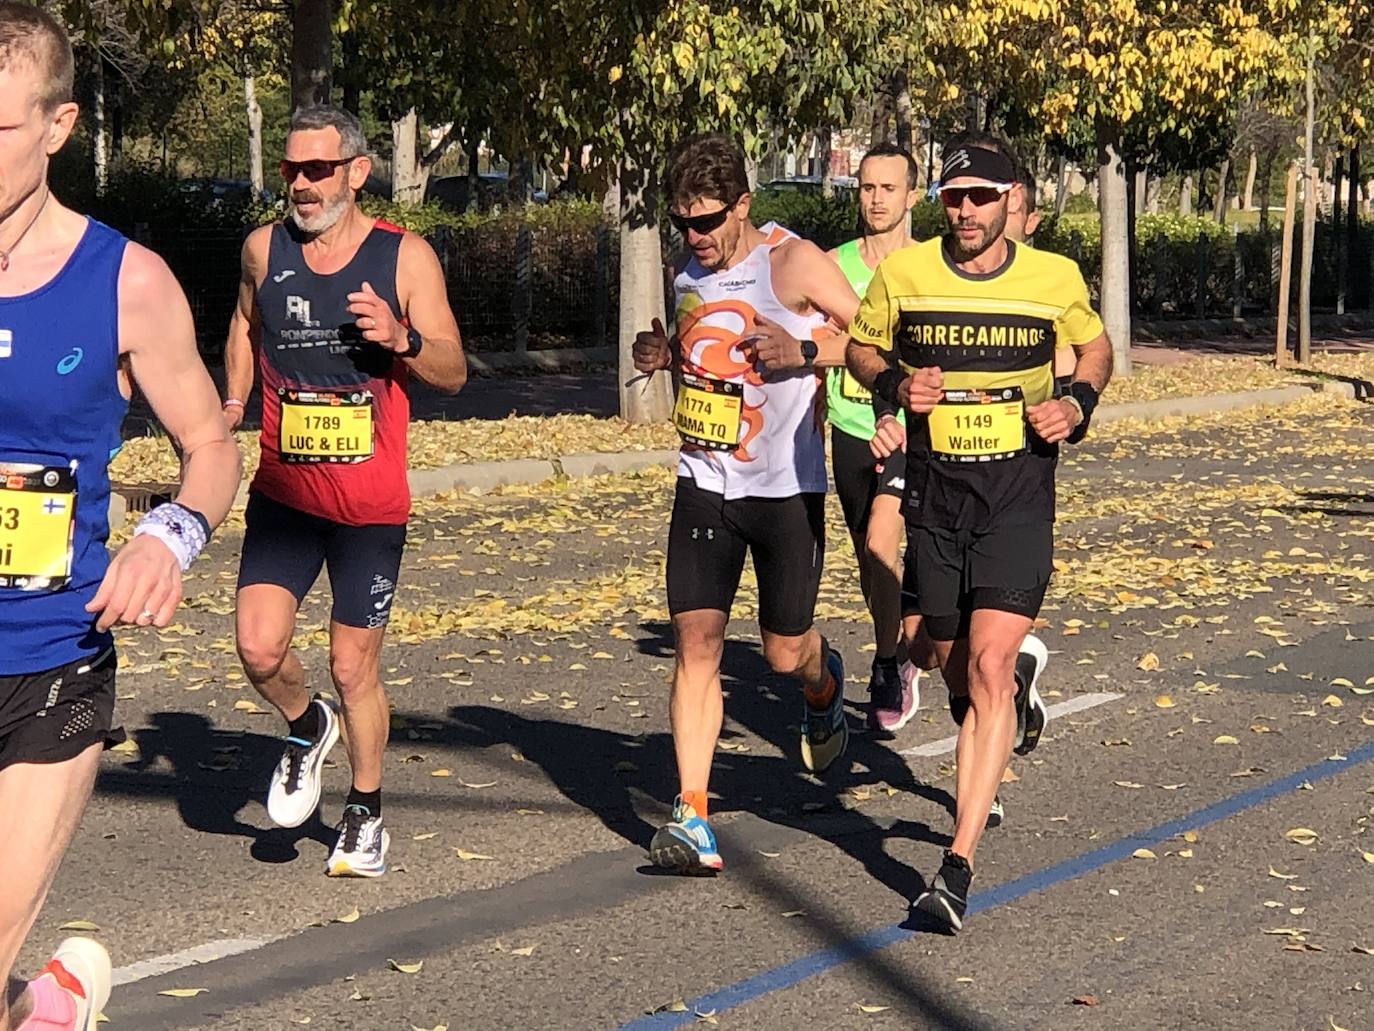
(685, 844)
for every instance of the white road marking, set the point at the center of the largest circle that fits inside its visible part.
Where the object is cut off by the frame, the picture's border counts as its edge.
(1076, 704)
(187, 958)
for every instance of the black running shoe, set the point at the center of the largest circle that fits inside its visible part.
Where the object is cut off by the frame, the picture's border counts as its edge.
(995, 813)
(947, 897)
(1031, 714)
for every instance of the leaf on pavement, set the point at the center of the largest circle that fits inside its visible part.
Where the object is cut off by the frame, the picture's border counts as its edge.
(406, 968)
(467, 856)
(250, 707)
(1282, 876)
(1085, 1000)
(526, 950)
(1163, 701)
(1149, 662)
(1332, 702)
(183, 993)
(1224, 739)
(488, 784)
(441, 772)
(86, 925)
(1143, 853)
(866, 1008)
(1301, 835)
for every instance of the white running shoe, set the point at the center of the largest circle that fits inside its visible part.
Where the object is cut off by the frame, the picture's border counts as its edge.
(362, 845)
(86, 961)
(1031, 714)
(295, 791)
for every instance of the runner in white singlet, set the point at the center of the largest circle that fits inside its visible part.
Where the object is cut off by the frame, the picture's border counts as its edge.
(751, 311)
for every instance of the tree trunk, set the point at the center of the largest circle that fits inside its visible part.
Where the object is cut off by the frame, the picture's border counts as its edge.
(474, 177)
(254, 111)
(407, 175)
(1250, 170)
(647, 399)
(1352, 211)
(1219, 200)
(901, 102)
(1185, 196)
(1152, 191)
(1309, 213)
(1265, 180)
(350, 72)
(312, 63)
(1061, 187)
(823, 137)
(1139, 180)
(1116, 265)
(880, 116)
(99, 149)
(1337, 180)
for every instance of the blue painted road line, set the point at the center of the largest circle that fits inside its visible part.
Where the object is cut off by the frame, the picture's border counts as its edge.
(791, 974)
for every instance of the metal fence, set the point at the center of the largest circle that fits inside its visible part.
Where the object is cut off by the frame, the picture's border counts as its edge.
(519, 289)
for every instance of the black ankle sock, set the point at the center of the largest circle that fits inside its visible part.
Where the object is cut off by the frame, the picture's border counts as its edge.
(369, 800)
(307, 726)
(888, 663)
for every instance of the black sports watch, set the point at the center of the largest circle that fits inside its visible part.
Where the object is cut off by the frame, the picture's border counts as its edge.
(809, 351)
(415, 342)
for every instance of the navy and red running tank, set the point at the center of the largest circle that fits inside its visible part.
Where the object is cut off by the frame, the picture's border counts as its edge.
(334, 405)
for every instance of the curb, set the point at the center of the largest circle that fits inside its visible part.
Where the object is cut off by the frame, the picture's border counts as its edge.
(484, 476)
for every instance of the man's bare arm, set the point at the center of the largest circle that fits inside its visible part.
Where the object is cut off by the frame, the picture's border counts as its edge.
(1094, 362)
(157, 335)
(865, 362)
(244, 325)
(423, 293)
(829, 292)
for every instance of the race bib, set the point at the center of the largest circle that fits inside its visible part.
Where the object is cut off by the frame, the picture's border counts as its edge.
(708, 412)
(325, 426)
(978, 425)
(37, 516)
(852, 390)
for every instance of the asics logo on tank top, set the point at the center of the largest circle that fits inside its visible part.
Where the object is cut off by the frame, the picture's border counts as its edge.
(69, 362)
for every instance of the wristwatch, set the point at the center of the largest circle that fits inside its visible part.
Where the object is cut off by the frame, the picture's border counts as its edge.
(809, 351)
(415, 342)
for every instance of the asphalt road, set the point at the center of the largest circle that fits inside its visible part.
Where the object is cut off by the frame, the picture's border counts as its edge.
(1210, 629)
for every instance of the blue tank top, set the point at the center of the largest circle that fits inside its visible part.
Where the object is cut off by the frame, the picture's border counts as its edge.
(60, 414)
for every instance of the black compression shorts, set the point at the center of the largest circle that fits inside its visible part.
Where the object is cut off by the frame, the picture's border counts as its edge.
(287, 547)
(707, 541)
(950, 573)
(56, 715)
(859, 477)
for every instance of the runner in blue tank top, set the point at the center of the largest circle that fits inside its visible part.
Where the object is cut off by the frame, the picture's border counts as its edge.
(83, 315)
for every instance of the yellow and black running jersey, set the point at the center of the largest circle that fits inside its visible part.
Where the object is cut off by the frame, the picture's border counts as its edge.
(975, 461)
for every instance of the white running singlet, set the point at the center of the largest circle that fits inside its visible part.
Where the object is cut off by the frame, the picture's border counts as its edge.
(781, 450)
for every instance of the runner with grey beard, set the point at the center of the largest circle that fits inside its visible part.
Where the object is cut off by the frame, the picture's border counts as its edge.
(338, 309)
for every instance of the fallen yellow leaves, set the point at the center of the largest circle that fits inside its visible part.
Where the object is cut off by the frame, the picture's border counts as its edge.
(183, 993)
(1301, 835)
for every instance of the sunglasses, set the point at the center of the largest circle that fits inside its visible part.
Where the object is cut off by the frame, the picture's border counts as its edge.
(315, 170)
(702, 224)
(954, 196)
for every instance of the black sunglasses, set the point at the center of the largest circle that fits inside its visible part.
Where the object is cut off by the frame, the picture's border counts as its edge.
(953, 196)
(702, 224)
(315, 170)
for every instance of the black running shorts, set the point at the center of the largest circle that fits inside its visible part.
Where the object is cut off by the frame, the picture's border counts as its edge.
(287, 547)
(950, 573)
(56, 715)
(859, 477)
(708, 537)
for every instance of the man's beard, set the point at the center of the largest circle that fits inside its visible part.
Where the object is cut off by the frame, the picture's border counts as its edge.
(990, 232)
(895, 221)
(330, 213)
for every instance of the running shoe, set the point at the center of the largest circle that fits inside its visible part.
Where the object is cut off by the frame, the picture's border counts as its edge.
(895, 694)
(825, 732)
(295, 791)
(685, 844)
(1031, 714)
(946, 900)
(362, 845)
(996, 814)
(80, 968)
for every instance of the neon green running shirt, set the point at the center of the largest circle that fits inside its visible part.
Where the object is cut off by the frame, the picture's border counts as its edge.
(848, 402)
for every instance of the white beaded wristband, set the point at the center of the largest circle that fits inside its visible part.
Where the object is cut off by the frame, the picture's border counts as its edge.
(183, 531)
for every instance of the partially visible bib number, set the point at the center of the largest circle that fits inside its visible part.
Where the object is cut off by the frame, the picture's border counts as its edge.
(37, 517)
(852, 390)
(708, 412)
(325, 426)
(978, 425)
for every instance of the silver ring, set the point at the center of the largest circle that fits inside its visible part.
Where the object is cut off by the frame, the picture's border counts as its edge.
(146, 614)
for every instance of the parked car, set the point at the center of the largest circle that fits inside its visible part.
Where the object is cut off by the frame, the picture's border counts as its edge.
(809, 184)
(224, 190)
(492, 188)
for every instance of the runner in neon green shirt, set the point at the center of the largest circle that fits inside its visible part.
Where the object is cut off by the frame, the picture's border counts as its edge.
(870, 489)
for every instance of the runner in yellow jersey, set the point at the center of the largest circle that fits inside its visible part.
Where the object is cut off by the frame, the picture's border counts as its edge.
(869, 485)
(962, 332)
